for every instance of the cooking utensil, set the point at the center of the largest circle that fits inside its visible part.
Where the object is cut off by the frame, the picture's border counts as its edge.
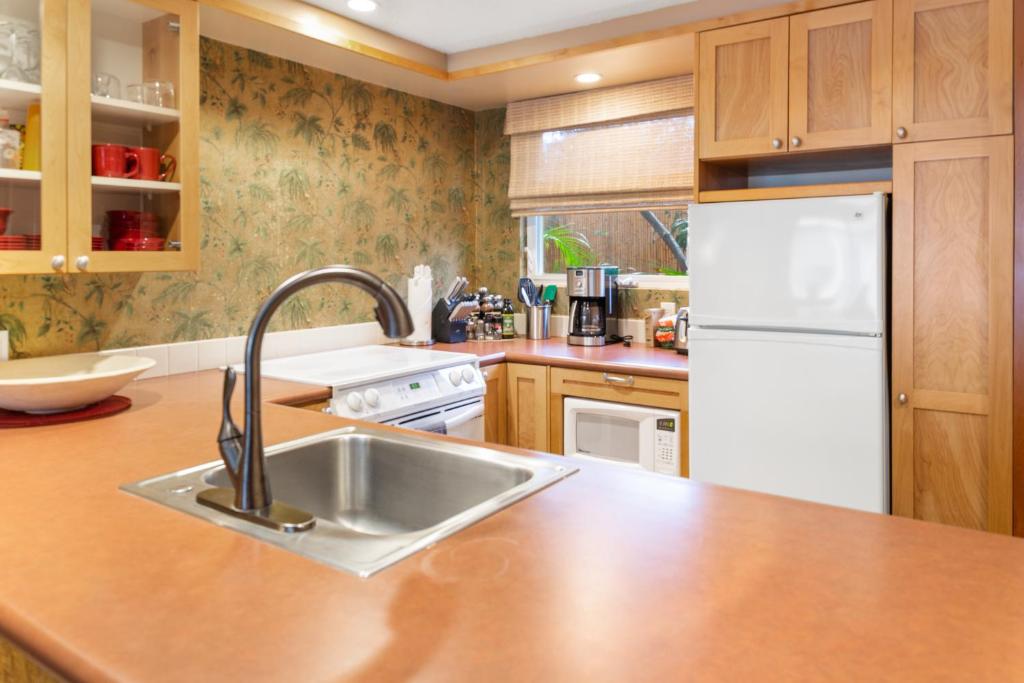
(463, 309)
(550, 292)
(528, 291)
(450, 292)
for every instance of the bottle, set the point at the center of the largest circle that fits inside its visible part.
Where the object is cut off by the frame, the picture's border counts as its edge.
(33, 132)
(508, 325)
(10, 143)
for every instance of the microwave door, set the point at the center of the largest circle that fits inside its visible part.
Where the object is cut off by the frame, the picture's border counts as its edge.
(610, 432)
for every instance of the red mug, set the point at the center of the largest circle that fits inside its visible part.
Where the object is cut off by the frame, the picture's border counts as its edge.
(114, 161)
(153, 165)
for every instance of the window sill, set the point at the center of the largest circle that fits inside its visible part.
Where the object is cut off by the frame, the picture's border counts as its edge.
(666, 283)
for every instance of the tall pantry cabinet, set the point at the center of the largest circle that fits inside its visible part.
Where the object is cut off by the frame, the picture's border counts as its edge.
(929, 84)
(952, 263)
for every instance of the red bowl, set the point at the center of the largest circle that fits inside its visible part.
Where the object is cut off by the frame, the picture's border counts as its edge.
(4, 213)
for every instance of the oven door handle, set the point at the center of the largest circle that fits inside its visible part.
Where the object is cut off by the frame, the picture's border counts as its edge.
(472, 412)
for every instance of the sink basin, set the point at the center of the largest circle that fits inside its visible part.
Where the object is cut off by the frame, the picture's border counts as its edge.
(378, 496)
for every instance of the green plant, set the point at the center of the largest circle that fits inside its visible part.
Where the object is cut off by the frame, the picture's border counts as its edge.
(573, 247)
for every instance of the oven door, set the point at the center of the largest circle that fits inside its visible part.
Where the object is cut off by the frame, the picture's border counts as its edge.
(464, 419)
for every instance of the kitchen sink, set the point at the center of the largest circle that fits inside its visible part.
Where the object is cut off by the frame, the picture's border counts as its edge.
(377, 496)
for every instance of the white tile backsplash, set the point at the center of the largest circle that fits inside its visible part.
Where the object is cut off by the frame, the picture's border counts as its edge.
(182, 358)
(211, 354)
(157, 353)
(234, 348)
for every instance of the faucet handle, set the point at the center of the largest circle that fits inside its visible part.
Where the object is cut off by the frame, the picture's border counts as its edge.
(230, 437)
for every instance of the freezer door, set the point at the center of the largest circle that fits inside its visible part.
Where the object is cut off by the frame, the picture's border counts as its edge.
(798, 415)
(791, 264)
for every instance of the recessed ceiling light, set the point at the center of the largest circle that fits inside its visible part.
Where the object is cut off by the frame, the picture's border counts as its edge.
(362, 5)
(588, 77)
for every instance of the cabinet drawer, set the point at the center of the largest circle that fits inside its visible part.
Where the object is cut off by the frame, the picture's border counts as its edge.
(620, 388)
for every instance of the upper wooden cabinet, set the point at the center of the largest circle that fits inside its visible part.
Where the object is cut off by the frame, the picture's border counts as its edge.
(952, 339)
(742, 89)
(819, 80)
(840, 76)
(952, 69)
(98, 61)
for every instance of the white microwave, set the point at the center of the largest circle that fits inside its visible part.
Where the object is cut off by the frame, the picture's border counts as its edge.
(634, 436)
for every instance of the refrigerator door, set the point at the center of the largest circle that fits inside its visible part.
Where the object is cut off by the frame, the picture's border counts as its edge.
(789, 264)
(798, 415)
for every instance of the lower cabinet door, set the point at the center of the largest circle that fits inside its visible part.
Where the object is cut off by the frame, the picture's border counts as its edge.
(528, 406)
(952, 317)
(496, 404)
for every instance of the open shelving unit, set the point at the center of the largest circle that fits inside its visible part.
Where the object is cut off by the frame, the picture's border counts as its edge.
(123, 112)
(102, 184)
(19, 177)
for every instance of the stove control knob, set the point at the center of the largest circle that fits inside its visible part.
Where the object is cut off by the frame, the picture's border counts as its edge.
(372, 398)
(455, 377)
(468, 375)
(355, 402)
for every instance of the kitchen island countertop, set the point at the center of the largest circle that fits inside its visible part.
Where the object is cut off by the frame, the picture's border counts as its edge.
(609, 575)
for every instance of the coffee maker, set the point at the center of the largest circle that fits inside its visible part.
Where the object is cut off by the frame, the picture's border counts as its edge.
(592, 315)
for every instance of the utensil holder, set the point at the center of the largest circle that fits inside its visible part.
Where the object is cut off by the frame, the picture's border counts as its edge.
(538, 321)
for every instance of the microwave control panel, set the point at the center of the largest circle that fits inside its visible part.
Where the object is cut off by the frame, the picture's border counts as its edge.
(666, 446)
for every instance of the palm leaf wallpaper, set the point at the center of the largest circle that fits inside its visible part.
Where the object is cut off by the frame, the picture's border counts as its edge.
(299, 168)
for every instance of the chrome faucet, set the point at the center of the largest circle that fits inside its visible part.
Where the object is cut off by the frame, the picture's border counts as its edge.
(243, 453)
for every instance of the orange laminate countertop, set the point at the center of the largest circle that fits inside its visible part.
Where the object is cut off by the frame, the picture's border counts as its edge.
(637, 359)
(609, 575)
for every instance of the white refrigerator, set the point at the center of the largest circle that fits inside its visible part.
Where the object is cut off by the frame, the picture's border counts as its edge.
(788, 372)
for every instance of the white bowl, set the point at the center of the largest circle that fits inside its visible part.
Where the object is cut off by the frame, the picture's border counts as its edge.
(57, 384)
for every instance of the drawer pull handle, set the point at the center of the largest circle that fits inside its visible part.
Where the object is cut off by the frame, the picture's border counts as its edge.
(615, 379)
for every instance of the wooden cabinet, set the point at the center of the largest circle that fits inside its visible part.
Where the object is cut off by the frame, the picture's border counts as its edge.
(57, 201)
(840, 76)
(742, 86)
(528, 406)
(496, 403)
(818, 80)
(951, 332)
(952, 69)
(654, 392)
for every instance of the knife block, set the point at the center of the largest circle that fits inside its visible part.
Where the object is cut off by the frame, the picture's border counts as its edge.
(445, 330)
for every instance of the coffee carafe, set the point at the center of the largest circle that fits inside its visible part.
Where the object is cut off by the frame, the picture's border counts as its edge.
(592, 320)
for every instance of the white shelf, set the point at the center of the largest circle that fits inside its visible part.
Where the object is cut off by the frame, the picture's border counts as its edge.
(101, 184)
(19, 177)
(108, 110)
(17, 95)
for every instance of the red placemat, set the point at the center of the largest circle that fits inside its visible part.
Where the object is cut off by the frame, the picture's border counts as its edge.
(108, 406)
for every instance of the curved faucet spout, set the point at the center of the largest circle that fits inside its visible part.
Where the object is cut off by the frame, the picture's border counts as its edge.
(252, 488)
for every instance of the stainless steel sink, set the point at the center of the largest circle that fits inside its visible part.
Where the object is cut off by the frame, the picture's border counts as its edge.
(378, 496)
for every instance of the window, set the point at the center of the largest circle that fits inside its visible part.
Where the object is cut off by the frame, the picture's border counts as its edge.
(648, 244)
(605, 177)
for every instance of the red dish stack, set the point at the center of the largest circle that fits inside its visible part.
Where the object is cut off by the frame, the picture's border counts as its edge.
(98, 243)
(134, 231)
(20, 243)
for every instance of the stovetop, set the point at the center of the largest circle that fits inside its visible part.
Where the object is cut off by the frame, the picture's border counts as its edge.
(361, 364)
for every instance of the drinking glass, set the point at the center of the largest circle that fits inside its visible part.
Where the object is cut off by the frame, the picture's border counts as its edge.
(135, 93)
(158, 93)
(106, 85)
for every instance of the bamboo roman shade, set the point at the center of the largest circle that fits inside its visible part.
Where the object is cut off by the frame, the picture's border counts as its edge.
(624, 147)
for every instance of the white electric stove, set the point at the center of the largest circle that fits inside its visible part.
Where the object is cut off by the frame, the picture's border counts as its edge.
(436, 391)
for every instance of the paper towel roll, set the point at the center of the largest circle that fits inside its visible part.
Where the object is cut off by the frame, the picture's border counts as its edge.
(420, 299)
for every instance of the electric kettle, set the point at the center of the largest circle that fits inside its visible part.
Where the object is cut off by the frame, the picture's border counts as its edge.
(682, 342)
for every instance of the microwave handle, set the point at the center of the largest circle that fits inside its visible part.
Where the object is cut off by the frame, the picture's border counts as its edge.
(472, 412)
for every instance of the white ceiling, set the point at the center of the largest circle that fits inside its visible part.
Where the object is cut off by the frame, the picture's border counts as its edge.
(456, 25)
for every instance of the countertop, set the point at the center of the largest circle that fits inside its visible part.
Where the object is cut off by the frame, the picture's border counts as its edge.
(609, 575)
(638, 359)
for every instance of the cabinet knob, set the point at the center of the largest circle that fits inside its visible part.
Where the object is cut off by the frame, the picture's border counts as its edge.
(82, 263)
(58, 261)
(795, 141)
(777, 143)
(902, 398)
(901, 132)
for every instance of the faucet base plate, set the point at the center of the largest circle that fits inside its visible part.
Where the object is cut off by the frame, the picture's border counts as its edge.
(278, 516)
